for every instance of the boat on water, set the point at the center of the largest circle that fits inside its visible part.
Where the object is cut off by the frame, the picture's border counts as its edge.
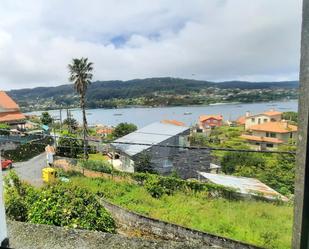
(117, 114)
(187, 113)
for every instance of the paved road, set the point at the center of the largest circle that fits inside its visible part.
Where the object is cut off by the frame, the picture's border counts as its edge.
(31, 171)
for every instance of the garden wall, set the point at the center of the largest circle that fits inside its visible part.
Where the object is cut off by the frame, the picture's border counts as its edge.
(131, 221)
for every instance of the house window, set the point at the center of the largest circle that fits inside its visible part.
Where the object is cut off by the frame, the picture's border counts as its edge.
(265, 120)
(259, 121)
(269, 145)
(291, 135)
(270, 134)
(253, 119)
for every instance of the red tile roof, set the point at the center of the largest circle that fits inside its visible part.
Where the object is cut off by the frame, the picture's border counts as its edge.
(241, 120)
(11, 116)
(103, 131)
(6, 102)
(272, 113)
(173, 122)
(262, 139)
(206, 117)
(277, 127)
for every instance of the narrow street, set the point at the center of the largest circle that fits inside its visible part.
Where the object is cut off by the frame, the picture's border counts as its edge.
(30, 171)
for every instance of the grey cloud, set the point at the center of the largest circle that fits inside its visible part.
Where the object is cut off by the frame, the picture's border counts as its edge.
(214, 40)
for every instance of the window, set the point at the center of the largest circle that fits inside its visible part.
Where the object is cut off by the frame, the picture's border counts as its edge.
(253, 119)
(291, 135)
(265, 120)
(272, 134)
(269, 145)
(259, 121)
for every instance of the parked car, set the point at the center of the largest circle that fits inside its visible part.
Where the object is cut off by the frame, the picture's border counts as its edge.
(6, 163)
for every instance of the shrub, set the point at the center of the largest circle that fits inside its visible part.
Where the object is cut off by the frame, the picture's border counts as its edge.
(159, 185)
(69, 146)
(96, 165)
(59, 205)
(64, 205)
(27, 151)
(4, 129)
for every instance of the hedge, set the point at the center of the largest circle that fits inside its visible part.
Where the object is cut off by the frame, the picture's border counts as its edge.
(27, 151)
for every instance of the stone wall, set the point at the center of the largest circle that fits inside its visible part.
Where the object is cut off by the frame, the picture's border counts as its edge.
(163, 230)
(5, 145)
(35, 236)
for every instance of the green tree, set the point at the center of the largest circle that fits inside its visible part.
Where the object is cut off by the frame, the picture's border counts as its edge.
(69, 146)
(143, 164)
(71, 122)
(4, 129)
(46, 119)
(240, 162)
(123, 129)
(292, 116)
(81, 75)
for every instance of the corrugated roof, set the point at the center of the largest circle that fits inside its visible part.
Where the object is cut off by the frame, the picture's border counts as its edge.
(262, 139)
(6, 102)
(277, 127)
(151, 134)
(243, 185)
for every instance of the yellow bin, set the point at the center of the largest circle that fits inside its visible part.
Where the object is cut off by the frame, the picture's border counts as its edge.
(49, 175)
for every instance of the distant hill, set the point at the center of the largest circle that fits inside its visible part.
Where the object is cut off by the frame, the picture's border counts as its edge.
(107, 90)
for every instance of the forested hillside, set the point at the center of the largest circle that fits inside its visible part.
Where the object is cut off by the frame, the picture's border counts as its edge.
(150, 92)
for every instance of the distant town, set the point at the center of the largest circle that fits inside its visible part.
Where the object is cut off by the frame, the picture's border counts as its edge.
(154, 92)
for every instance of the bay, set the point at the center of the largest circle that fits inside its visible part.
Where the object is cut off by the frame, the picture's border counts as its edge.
(187, 114)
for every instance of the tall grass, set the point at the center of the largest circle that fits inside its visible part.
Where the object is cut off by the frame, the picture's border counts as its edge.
(264, 224)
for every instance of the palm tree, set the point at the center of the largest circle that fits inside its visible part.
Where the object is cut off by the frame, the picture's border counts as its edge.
(81, 75)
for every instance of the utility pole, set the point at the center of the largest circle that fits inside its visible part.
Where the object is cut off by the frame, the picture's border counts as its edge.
(301, 203)
(60, 115)
(4, 241)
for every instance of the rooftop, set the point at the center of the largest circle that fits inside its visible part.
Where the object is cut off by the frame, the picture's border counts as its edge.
(244, 185)
(276, 127)
(205, 117)
(154, 133)
(6, 102)
(269, 113)
(11, 116)
(262, 139)
(241, 120)
(173, 122)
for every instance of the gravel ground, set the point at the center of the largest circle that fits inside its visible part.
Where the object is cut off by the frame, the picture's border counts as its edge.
(30, 171)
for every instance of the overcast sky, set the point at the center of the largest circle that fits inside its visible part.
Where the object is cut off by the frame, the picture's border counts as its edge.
(203, 39)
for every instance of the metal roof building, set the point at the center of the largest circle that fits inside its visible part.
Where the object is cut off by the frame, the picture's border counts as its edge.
(244, 185)
(153, 134)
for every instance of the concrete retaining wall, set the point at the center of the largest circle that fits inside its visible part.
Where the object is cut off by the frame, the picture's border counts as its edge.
(129, 220)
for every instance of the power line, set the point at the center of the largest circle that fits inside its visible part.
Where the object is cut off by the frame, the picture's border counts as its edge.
(111, 142)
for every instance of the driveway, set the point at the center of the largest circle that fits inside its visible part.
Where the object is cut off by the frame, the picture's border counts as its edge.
(31, 171)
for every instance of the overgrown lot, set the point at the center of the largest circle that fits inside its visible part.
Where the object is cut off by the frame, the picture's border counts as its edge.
(265, 224)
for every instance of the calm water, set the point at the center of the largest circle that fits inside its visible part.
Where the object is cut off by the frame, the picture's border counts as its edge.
(186, 114)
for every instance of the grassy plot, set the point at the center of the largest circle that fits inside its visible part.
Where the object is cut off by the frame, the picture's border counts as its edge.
(264, 224)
